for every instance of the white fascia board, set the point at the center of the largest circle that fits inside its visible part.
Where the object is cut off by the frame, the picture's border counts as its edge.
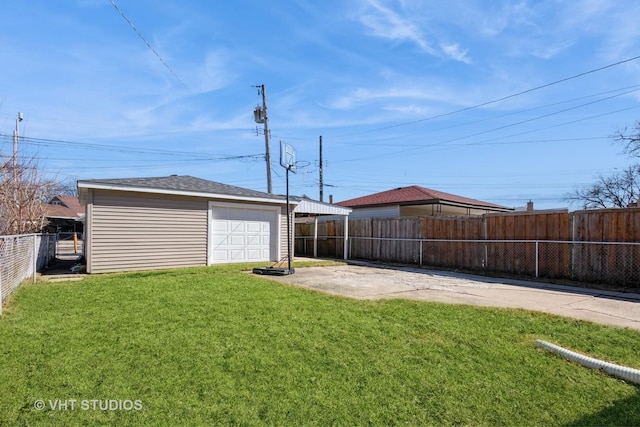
(75, 218)
(183, 193)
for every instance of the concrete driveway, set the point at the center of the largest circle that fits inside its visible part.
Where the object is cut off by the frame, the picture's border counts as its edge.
(371, 281)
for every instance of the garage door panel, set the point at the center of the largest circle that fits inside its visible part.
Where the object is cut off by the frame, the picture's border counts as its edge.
(220, 255)
(237, 240)
(254, 227)
(220, 240)
(256, 240)
(237, 226)
(219, 226)
(254, 255)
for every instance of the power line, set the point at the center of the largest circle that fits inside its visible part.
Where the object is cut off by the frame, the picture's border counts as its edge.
(558, 125)
(539, 117)
(531, 141)
(494, 101)
(128, 167)
(93, 146)
(627, 89)
(133, 27)
(421, 147)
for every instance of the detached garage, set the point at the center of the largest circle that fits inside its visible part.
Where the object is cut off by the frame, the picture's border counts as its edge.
(179, 221)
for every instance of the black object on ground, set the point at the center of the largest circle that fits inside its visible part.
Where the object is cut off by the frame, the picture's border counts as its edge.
(277, 269)
(274, 271)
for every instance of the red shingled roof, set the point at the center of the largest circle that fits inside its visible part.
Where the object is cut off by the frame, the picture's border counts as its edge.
(411, 196)
(70, 208)
(59, 211)
(72, 203)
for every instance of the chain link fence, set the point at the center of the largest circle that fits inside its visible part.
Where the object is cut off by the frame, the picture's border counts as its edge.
(21, 257)
(609, 263)
(612, 264)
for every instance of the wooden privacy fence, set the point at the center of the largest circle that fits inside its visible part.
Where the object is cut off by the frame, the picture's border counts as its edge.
(597, 246)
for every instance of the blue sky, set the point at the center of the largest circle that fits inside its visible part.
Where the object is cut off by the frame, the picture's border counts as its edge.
(400, 91)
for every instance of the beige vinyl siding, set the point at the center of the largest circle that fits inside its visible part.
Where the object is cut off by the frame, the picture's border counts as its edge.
(377, 212)
(140, 231)
(441, 210)
(283, 232)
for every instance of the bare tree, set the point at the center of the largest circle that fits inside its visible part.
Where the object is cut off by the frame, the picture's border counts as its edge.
(618, 190)
(22, 193)
(630, 138)
(68, 187)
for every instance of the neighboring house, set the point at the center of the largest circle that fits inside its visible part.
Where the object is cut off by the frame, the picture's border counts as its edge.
(177, 221)
(417, 201)
(64, 214)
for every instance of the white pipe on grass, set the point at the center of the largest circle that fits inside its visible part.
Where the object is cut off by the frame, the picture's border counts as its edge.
(628, 374)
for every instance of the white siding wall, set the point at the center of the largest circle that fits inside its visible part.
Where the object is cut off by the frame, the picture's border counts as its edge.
(139, 231)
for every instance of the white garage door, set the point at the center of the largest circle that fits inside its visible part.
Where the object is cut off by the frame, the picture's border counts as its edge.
(241, 234)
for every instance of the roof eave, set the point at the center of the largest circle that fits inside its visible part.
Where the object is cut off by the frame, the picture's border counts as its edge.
(308, 206)
(433, 202)
(111, 187)
(474, 206)
(75, 218)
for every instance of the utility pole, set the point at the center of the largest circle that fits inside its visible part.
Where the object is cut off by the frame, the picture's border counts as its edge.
(15, 149)
(321, 176)
(261, 116)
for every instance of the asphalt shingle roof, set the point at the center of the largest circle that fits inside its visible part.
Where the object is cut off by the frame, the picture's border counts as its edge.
(183, 183)
(412, 195)
(60, 211)
(72, 203)
(70, 209)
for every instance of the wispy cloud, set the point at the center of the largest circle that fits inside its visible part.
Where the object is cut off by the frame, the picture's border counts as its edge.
(386, 23)
(209, 74)
(406, 96)
(548, 51)
(546, 30)
(395, 25)
(454, 51)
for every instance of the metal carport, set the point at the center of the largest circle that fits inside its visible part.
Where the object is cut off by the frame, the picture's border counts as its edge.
(308, 208)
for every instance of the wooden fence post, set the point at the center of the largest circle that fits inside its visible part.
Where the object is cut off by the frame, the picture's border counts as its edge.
(572, 246)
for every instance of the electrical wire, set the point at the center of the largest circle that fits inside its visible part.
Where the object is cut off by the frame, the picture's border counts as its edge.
(104, 147)
(133, 27)
(370, 142)
(422, 147)
(494, 101)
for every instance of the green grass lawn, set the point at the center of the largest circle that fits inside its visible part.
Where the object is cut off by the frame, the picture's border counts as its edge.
(221, 346)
